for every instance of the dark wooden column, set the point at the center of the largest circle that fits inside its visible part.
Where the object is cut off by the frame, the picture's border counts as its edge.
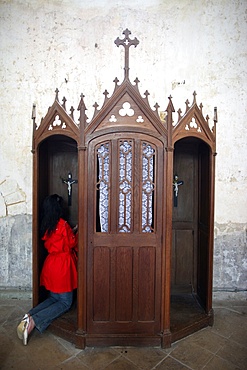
(82, 230)
(209, 309)
(167, 223)
(35, 234)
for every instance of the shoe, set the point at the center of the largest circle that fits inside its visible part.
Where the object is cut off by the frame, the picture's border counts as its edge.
(25, 333)
(22, 326)
(25, 328)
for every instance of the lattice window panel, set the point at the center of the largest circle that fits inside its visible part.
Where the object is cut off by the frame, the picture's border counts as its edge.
(102, 186)
(125, 186)
(148, 187)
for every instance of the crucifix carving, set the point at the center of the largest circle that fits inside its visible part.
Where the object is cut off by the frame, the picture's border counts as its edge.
(126, 43)
(176, 184)
(69, 181)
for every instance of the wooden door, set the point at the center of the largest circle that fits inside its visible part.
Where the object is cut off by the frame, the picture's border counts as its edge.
(185, 218)
(125, 219)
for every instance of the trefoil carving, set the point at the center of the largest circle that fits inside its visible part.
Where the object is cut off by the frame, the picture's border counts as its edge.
(113, 118)
(57, 123)
(193, 125)
(139, 119)
(126, 110)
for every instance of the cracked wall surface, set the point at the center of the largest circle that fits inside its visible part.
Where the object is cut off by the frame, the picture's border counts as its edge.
(12, 198)
(184, 46)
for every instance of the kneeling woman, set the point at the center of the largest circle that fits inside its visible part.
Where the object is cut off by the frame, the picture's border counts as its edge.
(59, 272)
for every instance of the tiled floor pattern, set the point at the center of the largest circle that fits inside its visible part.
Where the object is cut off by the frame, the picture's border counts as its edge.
(221, 347)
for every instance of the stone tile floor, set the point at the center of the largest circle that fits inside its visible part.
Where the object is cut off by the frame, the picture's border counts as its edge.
(221, 347)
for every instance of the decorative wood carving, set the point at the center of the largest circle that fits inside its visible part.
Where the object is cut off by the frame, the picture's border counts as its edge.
(56, 122)
(192, 123)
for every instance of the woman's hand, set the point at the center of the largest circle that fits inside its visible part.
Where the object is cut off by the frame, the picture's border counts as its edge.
(75, 229)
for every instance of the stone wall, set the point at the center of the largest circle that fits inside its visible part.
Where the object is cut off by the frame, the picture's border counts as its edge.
(16, 252)
(230, 263)
(185, 45)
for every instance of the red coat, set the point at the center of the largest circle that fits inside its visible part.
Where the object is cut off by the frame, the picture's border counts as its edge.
(59, 273)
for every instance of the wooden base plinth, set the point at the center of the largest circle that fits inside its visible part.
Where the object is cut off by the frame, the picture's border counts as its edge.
(187, 317)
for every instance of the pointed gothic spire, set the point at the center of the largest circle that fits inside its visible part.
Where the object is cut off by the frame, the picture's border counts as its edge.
(82, 120)
(170, 109)
(215, 120)
(215, 115)
(82, 108)
(34, 125)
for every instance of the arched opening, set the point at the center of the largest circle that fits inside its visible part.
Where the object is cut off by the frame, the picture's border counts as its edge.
(57, 158)
(190, 227)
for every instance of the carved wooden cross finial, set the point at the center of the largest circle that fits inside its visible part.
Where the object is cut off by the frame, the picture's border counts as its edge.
(126, 43)
(194, 95)
(106, 94)
(179, 114)
(72, 112)
(56, 97)
(64, 102)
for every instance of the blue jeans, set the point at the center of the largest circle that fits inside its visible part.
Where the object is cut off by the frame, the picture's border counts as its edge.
(54, 306)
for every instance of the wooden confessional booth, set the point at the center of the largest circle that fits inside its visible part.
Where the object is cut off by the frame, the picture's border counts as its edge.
(141, 189)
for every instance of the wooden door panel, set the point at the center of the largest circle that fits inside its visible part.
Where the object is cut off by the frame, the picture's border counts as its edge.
(146, 283)
(124, 285)
(125, 289)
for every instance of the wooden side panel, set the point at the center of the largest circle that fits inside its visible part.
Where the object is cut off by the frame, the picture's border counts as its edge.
(183, 257)
(185, 221)
(203, 232)
(146, 283)
(202, 266)
(101, 284)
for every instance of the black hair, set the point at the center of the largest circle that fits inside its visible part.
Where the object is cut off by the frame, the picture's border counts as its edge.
(52, 211)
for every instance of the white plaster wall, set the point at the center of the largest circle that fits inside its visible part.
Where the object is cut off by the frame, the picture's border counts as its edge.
(201, 42)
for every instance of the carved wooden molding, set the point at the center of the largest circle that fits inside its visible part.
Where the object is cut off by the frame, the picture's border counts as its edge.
(125, 110)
